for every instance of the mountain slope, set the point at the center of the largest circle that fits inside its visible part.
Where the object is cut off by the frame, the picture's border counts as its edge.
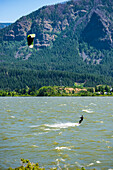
(3, 25)
(76, 36)
(49, 21)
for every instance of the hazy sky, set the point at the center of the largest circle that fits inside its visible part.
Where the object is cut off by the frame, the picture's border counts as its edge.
(11, 10)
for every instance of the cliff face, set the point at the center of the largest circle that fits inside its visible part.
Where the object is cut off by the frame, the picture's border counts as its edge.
(18, 30)
(98, 32)
(90, 20)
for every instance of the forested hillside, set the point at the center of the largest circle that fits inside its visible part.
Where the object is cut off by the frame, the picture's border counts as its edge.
(73, 43)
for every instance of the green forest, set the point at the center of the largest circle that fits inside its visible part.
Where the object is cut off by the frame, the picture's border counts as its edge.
(58, 65)
(76, 90)
(11, 79)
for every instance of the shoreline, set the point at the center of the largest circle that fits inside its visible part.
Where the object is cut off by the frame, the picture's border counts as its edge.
(59, 91)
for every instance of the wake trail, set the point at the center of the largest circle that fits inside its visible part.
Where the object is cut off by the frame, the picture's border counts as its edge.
(62, 125)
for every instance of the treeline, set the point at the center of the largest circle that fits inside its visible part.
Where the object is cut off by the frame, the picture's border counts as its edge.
(60, 91)
(12, 79)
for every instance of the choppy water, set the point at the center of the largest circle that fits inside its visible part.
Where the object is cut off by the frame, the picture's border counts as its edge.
(46, 130)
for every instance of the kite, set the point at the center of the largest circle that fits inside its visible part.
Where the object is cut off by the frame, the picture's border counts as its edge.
(30, 40)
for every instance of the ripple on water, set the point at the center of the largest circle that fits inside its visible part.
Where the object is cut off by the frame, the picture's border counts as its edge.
(62, 148)
(88, 110)
(13, 117)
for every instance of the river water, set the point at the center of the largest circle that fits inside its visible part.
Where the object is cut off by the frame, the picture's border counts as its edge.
(46, 130)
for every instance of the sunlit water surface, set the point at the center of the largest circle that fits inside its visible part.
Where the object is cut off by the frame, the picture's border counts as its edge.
(46, 130)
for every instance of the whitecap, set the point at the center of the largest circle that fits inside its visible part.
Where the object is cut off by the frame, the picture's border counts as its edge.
(13, 117)
(62, 125)
(57, 160)
(35, 146)
(98, 162)
(88, 111)
(62, 105)
(63, 160)
(60, 133)
(92, 104)
(62, 148)
(90, 164)
(42, 133)
(47, 129)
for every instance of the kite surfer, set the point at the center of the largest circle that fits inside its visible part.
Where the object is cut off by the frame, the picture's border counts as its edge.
(81, 119)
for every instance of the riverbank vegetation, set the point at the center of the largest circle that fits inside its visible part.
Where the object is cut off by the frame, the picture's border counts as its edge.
(76, 90)
(27, 165)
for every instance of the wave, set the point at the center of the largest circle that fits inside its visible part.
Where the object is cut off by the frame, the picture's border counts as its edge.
(47, 129)
(62, 104)
(92, 104)
(35, 146)
(61, 159)
(88, 111)
(62, 125)
(98, 162)
(55, 126)
(90, 164)
(62, 148)
(13, 117)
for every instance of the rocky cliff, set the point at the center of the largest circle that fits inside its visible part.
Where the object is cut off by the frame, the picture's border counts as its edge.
(90, 20)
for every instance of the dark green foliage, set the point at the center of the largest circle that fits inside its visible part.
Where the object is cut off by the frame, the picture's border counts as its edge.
(103, 88)
(60, 91)
(46, 91)
(12, 79)
(27, 165)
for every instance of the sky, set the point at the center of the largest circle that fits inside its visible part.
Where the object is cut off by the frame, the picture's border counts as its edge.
(11, 10)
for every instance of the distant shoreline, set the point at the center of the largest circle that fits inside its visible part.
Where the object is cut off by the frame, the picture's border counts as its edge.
(59, 91)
